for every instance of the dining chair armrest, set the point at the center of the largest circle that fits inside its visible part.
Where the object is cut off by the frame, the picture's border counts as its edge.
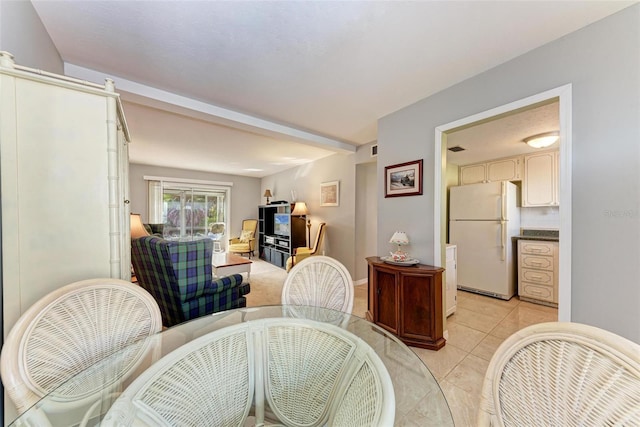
(223, 283)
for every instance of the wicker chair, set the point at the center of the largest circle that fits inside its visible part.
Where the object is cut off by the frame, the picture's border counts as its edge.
(319, 281)
(562, 374)
(260, 369)
(65, 333)
(179, 276)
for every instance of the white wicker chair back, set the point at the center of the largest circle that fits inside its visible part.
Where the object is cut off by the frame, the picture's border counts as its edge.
(70, 330)
(562, 374)
(319, 281)
(293, 372)
(206, 382)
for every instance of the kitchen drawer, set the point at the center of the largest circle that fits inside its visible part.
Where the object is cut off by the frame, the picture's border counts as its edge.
(536, 261)
(536, 291)
(536, 276)
(535, 247)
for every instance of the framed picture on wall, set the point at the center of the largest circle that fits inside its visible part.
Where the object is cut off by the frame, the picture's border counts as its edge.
(403, 179)
(330, 193)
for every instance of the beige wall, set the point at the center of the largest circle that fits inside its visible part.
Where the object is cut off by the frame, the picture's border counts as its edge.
(305, 181)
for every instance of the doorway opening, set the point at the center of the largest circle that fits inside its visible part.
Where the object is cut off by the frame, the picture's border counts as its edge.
(563, 96)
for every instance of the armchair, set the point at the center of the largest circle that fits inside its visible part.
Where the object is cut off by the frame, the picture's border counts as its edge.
(246, 243)
(301, 253)
(178, 275)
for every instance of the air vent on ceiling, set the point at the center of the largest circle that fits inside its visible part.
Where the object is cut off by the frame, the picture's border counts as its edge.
(374, 150)
(456, 149)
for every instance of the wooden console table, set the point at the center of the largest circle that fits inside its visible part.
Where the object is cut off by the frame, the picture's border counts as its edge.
(407, 301)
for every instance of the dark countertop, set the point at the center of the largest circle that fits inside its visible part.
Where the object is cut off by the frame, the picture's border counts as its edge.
(533, 234)
(545, 238)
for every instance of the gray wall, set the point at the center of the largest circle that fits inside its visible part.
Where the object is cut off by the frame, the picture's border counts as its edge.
(305, 181)
(23, 35)
(366, 220)
(245, 192)
(602, 62)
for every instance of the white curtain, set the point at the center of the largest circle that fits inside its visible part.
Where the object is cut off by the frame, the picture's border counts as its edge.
(155, 202)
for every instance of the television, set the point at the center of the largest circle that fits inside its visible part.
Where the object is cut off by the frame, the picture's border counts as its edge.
(281, 224)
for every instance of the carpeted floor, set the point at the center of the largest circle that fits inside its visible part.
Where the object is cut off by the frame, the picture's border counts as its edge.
(267, 281)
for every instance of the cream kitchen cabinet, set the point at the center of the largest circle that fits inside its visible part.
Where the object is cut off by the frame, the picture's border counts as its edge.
(64, 168)
(473, 174)
(538, 271)
(540, 183)
(509, 169)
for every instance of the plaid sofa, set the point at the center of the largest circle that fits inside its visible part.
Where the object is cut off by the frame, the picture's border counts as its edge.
(178, 275)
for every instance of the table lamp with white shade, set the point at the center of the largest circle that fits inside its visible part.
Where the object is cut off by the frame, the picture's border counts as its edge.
(137, 228)
(400, 239)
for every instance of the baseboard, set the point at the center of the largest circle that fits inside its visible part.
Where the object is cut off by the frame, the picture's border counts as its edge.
(360, 282)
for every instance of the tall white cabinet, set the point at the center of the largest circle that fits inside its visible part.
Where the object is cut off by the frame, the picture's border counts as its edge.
(451, 273)
(64, 182)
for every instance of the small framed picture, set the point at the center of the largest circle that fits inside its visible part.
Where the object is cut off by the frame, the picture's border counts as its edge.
(330, 193)
(404, 179)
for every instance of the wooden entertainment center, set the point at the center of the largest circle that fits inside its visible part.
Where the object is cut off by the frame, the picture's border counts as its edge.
(276, 242)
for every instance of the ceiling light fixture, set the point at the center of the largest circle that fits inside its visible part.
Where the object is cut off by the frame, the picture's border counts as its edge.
(542, 140)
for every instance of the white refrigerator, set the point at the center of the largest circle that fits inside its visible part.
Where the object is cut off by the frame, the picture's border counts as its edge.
(482, 220)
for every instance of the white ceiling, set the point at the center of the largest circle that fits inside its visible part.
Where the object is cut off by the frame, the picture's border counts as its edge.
(503, 136)
(231, 86)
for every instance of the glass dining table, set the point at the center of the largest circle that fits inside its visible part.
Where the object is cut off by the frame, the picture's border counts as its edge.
(418, 397)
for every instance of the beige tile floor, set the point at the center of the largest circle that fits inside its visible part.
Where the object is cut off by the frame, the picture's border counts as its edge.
(476, 329)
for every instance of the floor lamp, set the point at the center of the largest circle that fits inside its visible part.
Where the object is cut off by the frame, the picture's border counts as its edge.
(300, 209)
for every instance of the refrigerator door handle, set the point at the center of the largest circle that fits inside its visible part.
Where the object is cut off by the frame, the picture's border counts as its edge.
(503, 232)
(503, 201)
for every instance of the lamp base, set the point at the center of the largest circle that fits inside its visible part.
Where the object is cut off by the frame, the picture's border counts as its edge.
(399, 255)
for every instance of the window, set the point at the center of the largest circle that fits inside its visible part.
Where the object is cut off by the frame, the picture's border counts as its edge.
(189, 209)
